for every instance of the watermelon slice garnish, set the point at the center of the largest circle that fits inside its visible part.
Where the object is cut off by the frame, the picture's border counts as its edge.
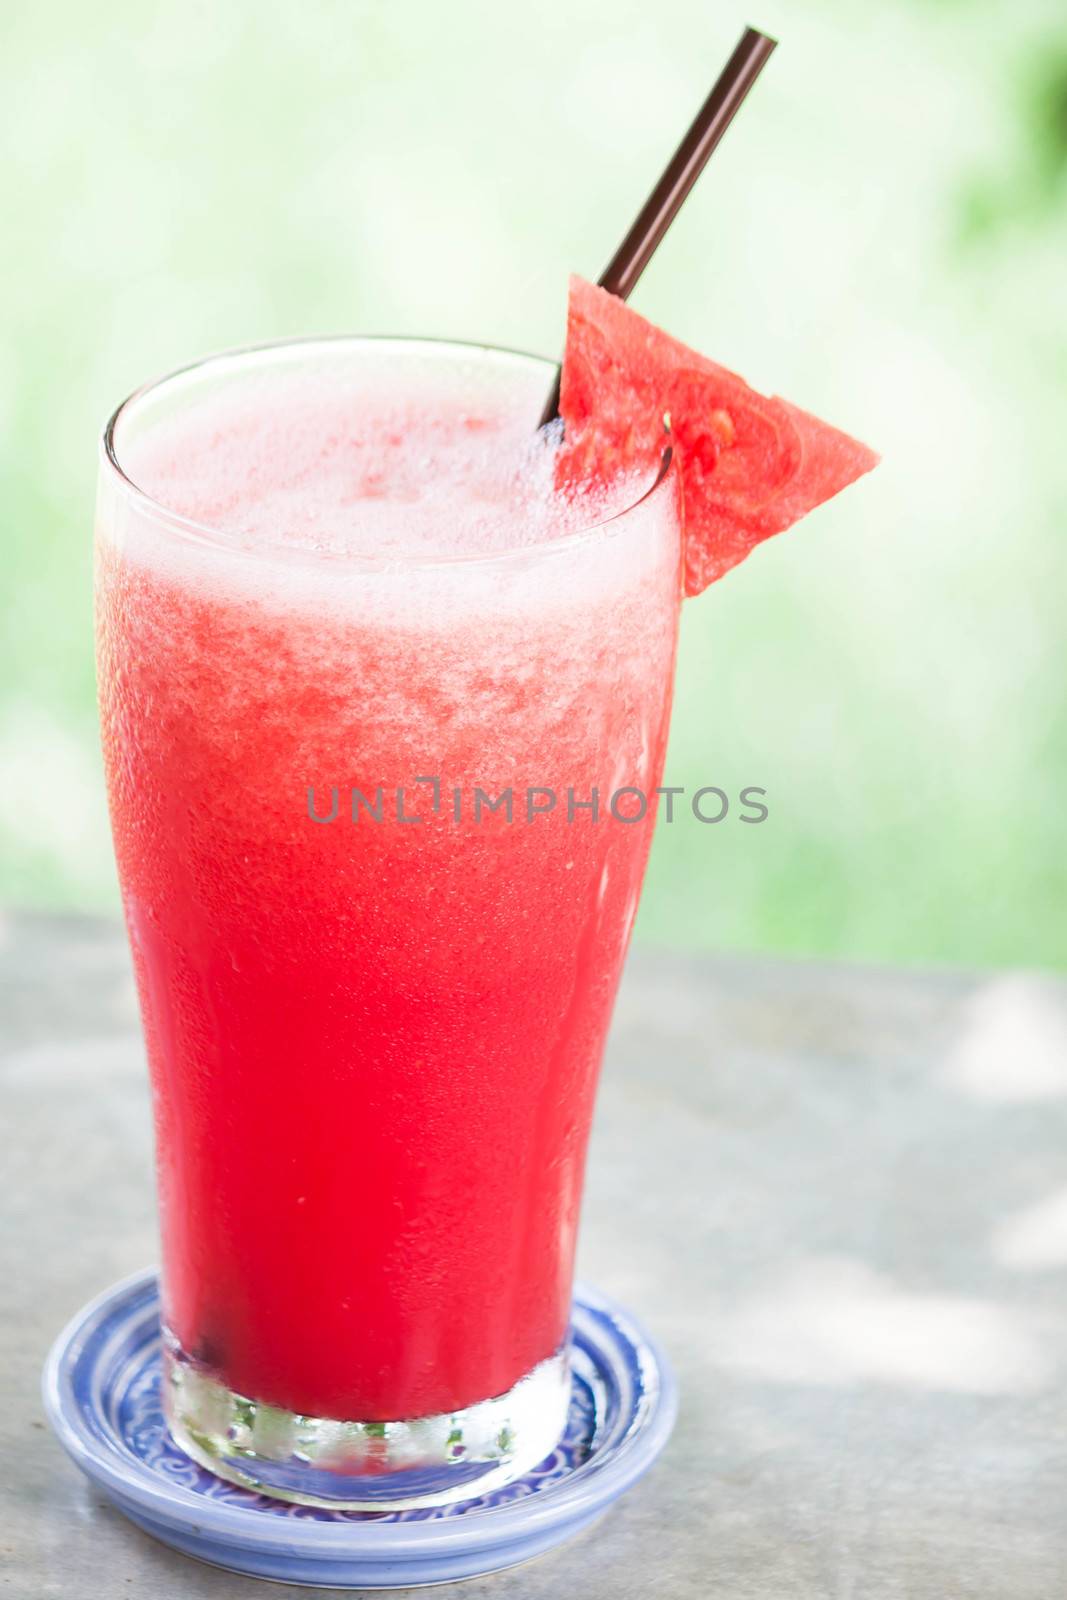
(752, 465)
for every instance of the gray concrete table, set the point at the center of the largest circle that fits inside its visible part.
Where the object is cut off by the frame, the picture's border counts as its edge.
(838, 1195)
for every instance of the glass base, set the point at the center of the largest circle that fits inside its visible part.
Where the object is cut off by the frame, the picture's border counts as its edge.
(365, 1466)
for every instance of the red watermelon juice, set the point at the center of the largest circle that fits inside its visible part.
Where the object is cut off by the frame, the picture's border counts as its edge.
(339, 597)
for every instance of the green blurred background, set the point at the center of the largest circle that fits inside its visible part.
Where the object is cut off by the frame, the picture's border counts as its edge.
(882, 238)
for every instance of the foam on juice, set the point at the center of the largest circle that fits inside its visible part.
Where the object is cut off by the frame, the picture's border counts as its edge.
(364, 463)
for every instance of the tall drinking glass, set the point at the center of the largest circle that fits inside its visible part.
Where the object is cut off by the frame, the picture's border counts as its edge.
(381, 821)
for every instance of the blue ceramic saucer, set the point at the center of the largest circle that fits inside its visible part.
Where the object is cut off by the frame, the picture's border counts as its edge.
(101, 1394)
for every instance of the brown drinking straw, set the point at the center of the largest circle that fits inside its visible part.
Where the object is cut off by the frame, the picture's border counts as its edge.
(680, 174)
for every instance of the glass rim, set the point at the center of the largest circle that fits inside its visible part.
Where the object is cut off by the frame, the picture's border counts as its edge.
(206, 533)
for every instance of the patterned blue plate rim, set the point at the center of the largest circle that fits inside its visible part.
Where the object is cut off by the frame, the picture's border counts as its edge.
(601, 1479)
